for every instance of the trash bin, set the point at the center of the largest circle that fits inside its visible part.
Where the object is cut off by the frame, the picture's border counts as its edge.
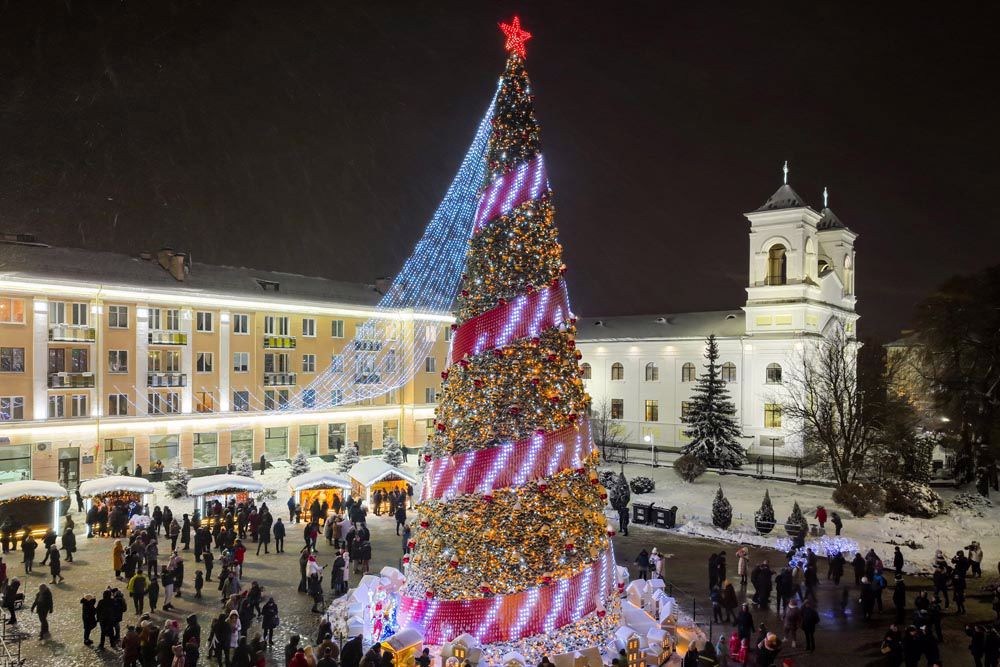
(642, 514)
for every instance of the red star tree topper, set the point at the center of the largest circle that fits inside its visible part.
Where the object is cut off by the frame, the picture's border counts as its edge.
(515, 36)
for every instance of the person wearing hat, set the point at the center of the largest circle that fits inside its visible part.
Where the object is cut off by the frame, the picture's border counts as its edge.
(767, 650)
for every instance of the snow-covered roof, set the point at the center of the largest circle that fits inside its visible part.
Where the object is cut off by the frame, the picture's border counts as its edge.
(318, 478)
(722, 323)
(31, 487)
(112, 483)
(404, 638)
(829, 220)
(199, 486)
(372, 470)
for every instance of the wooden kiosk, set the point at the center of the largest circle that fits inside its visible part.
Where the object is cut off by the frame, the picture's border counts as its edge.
(374, 474)
(114, 489)
(30, 506)
(222, 488)
(321, 485)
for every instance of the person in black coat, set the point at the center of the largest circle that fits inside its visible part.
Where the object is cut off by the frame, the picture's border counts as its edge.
(48, 541)
(264, 533)
(290, 648)
(810, 619)
(43, 607)
(69, 543)
(55, 565)
(744, 622)
(186, 532)
(89, 610)
(400, 517)
(351, 654)
(105, 612)
(279, 536)
(859, 566)
(10, 599)
(269, 620)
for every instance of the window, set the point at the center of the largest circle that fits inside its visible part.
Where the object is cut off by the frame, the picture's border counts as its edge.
(652, 411)
(241, 362)
(164, 361)
(118, 317)
(205, 362)
(79, 360)
(390, 361)
(275, 399)
(687, 372)
(118, 361)
(430, 333)
(120, 452)
(336, 397)
(309, 327)
(12, 359)
(205, 450)
(617, 371)
(172, 361)
(165, 449)
(173, 402)
(57, 312)
(585, 371)
(652, 373)
(277, 362)
(337, 328)
(117, 405)
(78, 405)
(447, 334)
(729, 372)
(57, 406)
(308, 398)
(241, 401)
(617, 408)
(240, 444)
(203, 321)
(168, 319)
(275, 326)
(204, 401)
(11, 409)
(335, 436)
(308, 363)
(337, 363)
(773, 374)
(772, 415)
(390, 429)
(308, 440)
(685, 409)
(15, 462)
(268, 285)
(276, 443)
(81, 313)
(430, 395)
(241, 324)
(392, 397)
(163, 404)
(430, 364)
(11, 311)
(777, 265)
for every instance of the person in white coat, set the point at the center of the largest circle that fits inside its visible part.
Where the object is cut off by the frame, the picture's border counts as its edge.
(976, 558)
(743, 564)
(655, 564)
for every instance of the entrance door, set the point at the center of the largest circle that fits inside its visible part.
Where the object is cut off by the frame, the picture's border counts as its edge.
(365, 439)
(69, 467)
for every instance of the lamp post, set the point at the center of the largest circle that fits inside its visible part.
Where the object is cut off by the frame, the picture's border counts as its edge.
(773, 440)
(648, 439)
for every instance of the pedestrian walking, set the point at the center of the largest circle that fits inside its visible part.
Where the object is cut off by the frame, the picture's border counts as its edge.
(837, 522)
(69, 543)
(12, 598)
(106, 612)
(199, 583)
(42, 606)
(899, 599)
(55, 565)
(28, 547)
(793, 620)
(820, 516)
(88, 608)
(642, 562)
(153, 591)
(743, 564)
(810, 619)
(623, 521)
(279, 536)
(137, 588)
(269, 620)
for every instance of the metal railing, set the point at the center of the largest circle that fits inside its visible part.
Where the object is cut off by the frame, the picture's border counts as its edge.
(10, 645)
(70, 380)
(167, 337)
(280, 379)
(72, 333)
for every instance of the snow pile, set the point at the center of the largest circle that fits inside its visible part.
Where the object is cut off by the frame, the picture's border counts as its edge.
(972, 503)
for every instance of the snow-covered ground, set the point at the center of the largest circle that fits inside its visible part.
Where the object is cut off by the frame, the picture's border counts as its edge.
(949, 532)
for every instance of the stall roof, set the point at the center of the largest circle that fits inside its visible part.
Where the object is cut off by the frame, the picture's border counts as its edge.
(318, 478)
(112, 483)
(199, 486)
(371, 471)
(31, 487)
(405, 638)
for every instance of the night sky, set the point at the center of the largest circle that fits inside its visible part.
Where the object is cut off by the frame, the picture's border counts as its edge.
(318, 137)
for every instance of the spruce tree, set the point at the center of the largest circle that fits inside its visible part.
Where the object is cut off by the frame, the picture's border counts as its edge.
(620, 494)
(299, 464)
(179, 478)
(711, 419)
(392, 453)
(796, 524)
(348, 457)
(722, 511)
(244, 466)
(108, 469)
(764, 517)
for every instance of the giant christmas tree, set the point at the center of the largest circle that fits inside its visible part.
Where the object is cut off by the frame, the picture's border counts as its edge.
(512, 545)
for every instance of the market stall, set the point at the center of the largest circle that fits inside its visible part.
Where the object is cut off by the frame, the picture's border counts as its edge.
(30, 505)
(130, 492)
(321, 486)
(223, 488)
(374, 474)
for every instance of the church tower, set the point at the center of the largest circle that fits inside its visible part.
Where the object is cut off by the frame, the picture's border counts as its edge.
(802, 267)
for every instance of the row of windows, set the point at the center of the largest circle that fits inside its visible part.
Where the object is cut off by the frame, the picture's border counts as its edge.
(772, 411)
(688, 374)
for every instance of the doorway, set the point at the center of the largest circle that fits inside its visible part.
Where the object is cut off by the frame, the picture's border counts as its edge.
(69, 467)
(365, 439)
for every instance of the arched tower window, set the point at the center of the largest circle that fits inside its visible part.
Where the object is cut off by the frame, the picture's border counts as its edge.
(777, 265)
(617, 371)
(687, 372)
(585, 371)
(652, 372)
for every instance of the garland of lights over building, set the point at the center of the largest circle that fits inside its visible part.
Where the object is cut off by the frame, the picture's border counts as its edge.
(512, 545)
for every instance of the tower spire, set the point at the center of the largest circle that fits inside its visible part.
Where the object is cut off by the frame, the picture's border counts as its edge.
(826, 197)
(785, 170)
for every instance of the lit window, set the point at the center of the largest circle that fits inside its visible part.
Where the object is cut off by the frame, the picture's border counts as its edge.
(204, 401)
(773, 374)
(57, 406)
(617, 408)
(585, 371)
(729, 372)
(687, 372)
(652, 410)
(652, 373)
(11, 311)
(617, 371)
(685, 409)
(772, 415)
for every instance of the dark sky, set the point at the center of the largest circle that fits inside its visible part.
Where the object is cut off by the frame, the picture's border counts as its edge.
(317, 137)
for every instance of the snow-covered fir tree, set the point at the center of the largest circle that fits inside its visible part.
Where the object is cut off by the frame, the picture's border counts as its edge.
(244, 466)
(348, 457)
(179, 478)
(619, 493)
(711, 418)
(722, 510)
(764, 517)
(108, 469)
(392, 453)
(299, 464)
(796, 524)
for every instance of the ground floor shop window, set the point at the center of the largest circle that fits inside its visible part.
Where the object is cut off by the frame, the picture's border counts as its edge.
(121, 453)
(15, 462)
(276, 443)
(164, 449)
(308, 437)
(390, 429)
(205, 450)
(241, 443)
(336, 434)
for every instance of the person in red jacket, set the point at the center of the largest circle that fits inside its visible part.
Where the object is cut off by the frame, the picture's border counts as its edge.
(821, 516)
(239, 551)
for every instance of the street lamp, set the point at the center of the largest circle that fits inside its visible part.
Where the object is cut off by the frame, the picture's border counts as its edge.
(648, 439)
(773, 440)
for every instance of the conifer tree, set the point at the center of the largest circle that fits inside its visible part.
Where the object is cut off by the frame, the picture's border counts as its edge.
(392, 453)
(348, 457)
(711, 418)
(620, 494)
(722, 510)
(764, 517)
(244, 466)
(108, 469)
(299, 464)
(796, 524)
(179, 478)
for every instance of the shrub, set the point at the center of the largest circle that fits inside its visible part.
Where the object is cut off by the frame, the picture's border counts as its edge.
(688, 468)
(722, 511)
(796, 524)
(763, 518)
(607, 478)
(618, 492)
(641, 484)
(858, 499)
(912, 499)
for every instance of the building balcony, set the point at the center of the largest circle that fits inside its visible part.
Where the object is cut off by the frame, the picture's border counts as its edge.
(71, 380)
(166, 380)
(367, 345)
(164, 337)
(72, 333)
(367, 378)
(272, 342)
(280, 379)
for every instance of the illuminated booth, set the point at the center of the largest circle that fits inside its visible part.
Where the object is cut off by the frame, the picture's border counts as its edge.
(208, 489)
(321, 485)
(374, 474)
(31, 505)
(116, 489)
(405, 647)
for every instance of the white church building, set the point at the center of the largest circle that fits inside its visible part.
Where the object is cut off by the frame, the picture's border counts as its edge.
(801, 279)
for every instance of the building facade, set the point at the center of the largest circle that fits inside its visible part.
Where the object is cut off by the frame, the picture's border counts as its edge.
(134, 360)
(800, 283)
